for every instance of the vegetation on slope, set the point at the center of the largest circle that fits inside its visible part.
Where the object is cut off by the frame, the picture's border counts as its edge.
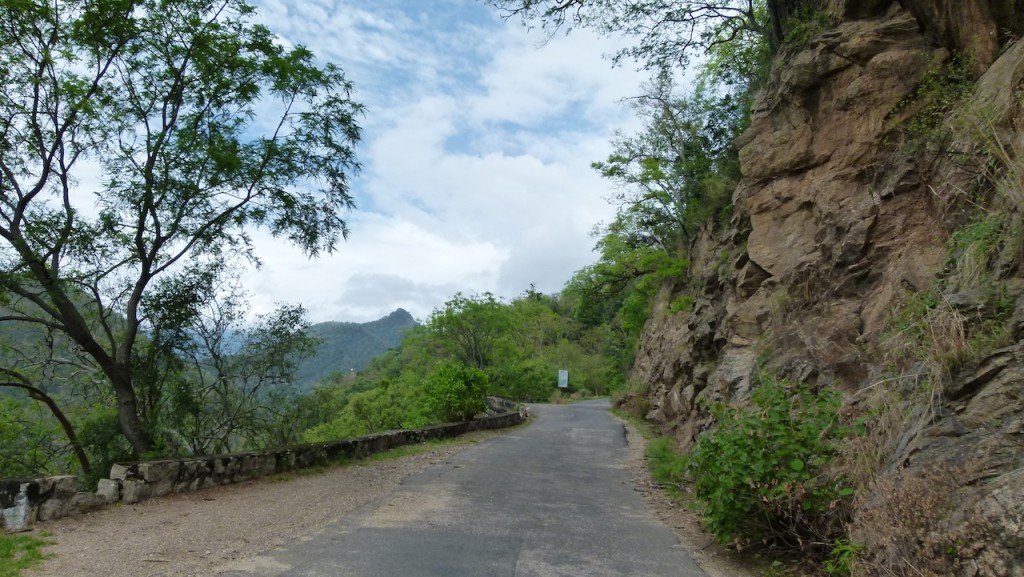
(350, 347)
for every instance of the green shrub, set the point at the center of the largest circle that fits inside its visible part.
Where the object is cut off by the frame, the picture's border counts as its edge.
(100, 435)
(808, 21)
(455, 392)
(530, 381)
(844, 553)
(681, 304)
(944, 87)
(761, 475)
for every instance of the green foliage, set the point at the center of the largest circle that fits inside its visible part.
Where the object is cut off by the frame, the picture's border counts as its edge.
(470, 328)
(236, 378)
(382, 406)
(31, 442)
(944, 86)
(972, 247)
(761, 474)
(19, 553)
(806, 22)
(911, 320)
(738, 60)
(674, 177)
(530, 380)
(204, 126)
(928, 327)
(100, 435)
(844, 553)
(350, 346)
(682, 304)
(455, 392)
(679, 171)
(667, 33)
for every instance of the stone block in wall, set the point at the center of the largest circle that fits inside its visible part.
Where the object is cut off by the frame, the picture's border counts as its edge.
(85, 502)
(256, 465)
(285, 461)
(55, 495)
(190, 476)
(134, 490)
(187, 484)
(160, 476)
(226, 468)
(109, 490)
(17, 517)
(61, 486)
(119, 472)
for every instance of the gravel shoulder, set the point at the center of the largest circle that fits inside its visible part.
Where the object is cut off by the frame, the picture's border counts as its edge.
(198, 533)
(202, 533)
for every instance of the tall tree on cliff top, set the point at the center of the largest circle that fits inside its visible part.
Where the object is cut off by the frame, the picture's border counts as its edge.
(201, 125)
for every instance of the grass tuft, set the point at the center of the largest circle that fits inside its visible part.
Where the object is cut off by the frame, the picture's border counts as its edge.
(20, 552)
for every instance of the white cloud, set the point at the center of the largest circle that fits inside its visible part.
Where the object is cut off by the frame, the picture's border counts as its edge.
(380, 247)
(477, 151)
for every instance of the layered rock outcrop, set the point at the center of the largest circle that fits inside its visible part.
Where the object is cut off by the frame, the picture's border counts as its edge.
(837, 225)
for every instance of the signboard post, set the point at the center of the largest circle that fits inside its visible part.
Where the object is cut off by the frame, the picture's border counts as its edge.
(563, 379)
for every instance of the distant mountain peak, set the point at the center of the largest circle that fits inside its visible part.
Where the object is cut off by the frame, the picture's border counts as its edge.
(400, 313)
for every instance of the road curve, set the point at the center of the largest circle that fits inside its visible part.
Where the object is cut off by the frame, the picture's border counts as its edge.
(551, 499)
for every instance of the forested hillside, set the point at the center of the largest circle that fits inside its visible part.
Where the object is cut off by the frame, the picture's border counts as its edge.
(349, 347)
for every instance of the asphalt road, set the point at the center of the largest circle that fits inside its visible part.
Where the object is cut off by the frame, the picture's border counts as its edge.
(551, 499)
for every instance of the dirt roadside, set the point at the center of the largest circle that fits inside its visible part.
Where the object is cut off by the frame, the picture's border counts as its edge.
(715, 560)
(197, 534)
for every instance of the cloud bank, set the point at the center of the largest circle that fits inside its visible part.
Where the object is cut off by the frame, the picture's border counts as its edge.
(476, 155)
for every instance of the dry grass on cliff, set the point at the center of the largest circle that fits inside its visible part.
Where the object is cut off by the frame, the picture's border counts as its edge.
(908, 525)
(927, 328)
(886, 417)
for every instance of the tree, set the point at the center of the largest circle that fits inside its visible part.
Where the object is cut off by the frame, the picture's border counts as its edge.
(202, 125)
(680, 169)
(27, 441)
(455, 391)
(668, 33)
(232, 394)
(470, 328)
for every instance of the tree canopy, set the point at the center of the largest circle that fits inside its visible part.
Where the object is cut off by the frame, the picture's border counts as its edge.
(201, 126)
(667, 33)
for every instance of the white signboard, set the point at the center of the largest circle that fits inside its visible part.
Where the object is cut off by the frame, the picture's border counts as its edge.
(563, 378)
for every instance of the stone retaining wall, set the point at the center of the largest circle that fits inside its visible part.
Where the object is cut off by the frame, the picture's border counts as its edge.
(26, 501)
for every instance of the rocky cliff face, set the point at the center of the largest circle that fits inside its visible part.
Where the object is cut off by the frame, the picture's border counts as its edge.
(845, 226)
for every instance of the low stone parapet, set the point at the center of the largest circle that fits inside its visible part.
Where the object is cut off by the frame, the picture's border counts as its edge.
(27, 501)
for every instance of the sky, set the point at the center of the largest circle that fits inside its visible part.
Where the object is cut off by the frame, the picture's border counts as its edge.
(477, 142)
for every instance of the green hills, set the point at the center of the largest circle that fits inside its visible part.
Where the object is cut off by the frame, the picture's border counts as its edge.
(348, 347)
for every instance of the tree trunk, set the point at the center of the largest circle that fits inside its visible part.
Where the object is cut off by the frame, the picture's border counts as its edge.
(69, 431)
(778, 13)
(128, 410)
